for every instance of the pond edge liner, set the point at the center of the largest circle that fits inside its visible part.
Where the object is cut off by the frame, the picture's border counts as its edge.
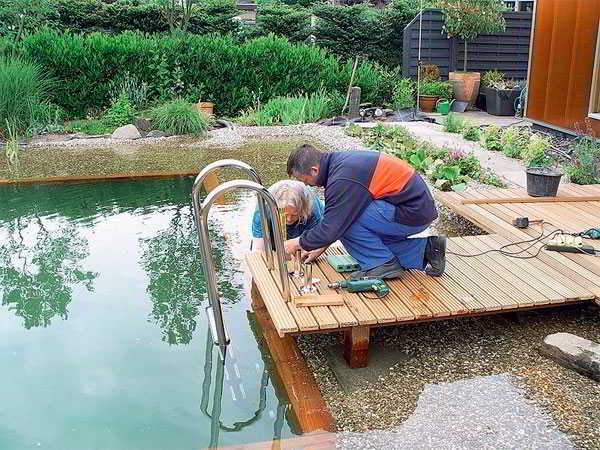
(117, 176)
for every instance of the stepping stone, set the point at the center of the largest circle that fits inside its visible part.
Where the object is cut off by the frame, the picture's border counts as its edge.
(574, 353)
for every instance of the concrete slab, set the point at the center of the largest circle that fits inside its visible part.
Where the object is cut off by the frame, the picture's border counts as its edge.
(488, 412)
(381, 359)
(573, 352)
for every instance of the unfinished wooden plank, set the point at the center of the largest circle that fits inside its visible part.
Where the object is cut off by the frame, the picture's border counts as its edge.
(520, 267)
(355, 304)
(453, 305)
(416, 306)
(393, 303)
(459, 292)
(303, 316)
(340, 311)
(470, 284)
(501, 226)
(533, 295)
(280, 314)
(561, 282)
(377, 307)
(486, 278)
(305, 300)
(587, 263)
(590, 198)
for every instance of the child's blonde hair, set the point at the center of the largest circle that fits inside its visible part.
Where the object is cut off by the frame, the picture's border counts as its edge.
(295, 194)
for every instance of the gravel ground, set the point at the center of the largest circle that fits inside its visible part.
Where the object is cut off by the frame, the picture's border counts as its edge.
(481, 412)
(330, 137)
(454, 350)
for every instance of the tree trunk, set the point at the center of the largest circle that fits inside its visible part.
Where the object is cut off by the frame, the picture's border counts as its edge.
(465, 62)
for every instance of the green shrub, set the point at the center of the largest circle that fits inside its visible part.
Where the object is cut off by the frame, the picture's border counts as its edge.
(491, 138)
(180, 117)
(442, 89)
(472, 133)
(353, 130)
(292, 22)
(362, 30)
(91, 126)
(289, 110)
(24, 93)
(514, 142)
(454, 123)
(229, 74)
(404, 94)
(584, 167)
(135, 90)
(535, 154)
(208, 16)
(120, 112)
(491, 77)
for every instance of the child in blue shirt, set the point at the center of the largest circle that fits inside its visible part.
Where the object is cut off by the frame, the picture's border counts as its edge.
(302, 207)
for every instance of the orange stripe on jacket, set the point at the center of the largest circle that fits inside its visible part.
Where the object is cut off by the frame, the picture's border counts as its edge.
(390, 176)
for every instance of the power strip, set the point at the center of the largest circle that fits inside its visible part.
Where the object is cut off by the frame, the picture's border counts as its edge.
(587, 249)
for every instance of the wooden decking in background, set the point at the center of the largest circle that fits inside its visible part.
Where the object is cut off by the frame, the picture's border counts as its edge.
(580, 270)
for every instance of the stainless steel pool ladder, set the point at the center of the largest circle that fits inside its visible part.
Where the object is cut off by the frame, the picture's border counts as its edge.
(265, 200)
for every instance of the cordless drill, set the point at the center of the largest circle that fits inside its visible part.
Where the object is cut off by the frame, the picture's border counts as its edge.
(362, 285)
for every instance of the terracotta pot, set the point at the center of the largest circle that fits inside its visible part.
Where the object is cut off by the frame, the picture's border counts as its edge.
(466, 86)
(206, 107)
(427, 102)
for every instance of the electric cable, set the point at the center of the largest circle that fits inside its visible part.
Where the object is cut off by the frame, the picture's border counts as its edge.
(532, 242)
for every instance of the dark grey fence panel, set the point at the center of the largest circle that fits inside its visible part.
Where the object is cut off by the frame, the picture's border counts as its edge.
(507, 52)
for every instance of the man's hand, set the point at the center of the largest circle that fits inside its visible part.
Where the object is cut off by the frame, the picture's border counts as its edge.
(291, 245)
(308, 257)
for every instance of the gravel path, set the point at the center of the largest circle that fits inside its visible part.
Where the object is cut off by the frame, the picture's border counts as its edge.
(330, 137)
(478, 413)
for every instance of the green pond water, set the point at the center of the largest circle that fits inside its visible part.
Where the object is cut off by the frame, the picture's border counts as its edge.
(103, 333)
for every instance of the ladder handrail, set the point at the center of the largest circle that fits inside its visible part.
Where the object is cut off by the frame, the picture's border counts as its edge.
(201, 218)
(251, 172)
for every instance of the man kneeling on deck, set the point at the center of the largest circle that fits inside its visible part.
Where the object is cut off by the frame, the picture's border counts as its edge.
(373, 203)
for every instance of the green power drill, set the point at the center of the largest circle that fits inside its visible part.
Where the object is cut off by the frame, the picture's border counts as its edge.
(362, 285)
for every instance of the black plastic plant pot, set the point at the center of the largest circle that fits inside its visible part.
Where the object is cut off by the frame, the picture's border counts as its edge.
(543, 181)
(481, 102)
(501, 102)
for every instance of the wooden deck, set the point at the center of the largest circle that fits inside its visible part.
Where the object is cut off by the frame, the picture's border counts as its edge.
(486, 284)
(570, 216)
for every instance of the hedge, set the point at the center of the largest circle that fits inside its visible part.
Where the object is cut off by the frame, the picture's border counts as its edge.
(212, 68)
(209, 16)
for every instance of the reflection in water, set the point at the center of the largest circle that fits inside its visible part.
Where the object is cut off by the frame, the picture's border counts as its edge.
(39, 269)
(228, 373)
(177, 286)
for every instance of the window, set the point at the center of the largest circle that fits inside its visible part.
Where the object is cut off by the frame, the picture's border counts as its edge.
(595, 94)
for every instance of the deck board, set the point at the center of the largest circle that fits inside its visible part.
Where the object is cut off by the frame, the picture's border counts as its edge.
(483, 284)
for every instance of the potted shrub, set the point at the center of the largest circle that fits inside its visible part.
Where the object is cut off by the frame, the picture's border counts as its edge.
(542, 178)
(500, 97)
(431, 91)
(467, 19)
(487, 79)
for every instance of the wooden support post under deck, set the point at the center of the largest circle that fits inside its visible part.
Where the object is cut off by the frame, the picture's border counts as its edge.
(356, 347)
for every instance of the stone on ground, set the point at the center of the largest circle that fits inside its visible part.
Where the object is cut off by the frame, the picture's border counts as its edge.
(126, 132)
(142, 124)
(573, 352)
(157, 134)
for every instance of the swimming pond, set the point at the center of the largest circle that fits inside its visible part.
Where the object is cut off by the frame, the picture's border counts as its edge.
(103, 333)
